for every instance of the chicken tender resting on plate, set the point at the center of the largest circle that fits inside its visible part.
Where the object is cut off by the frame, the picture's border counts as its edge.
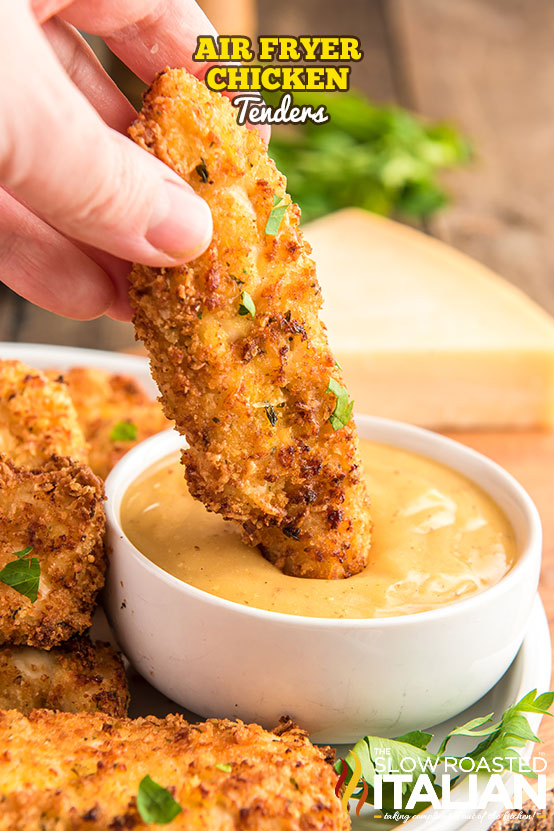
(56, 509)
(103, 401)
(62, 771)
(239, 352)
(77, 676)
(37, 417)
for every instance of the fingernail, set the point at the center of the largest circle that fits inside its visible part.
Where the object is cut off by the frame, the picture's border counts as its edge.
(180, 223)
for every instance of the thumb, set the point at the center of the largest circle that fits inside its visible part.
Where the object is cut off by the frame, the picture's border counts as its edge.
(85, 179)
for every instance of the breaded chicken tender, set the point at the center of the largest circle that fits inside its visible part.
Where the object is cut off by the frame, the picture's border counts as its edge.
(239, 352)
(37, 417)
(77, 677)
(103, 401)
(56, 509)
(61, 771)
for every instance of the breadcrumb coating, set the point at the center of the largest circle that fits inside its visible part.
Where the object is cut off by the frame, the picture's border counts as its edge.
(102, 401)
(56, 509)
(37, 417)
(76, 677)
(60, 771)
(249, 391)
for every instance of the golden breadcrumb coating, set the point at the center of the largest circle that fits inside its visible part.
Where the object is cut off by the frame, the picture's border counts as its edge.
(60, 771)
(56, 509)
(248, 393)
(77, 677)
(37, 417)
(102, 401)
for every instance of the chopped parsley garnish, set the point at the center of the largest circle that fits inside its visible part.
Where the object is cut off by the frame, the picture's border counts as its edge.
(124, 431)
(22, 575)
(246, 306)
(225, 767)
(271, 414)
(155, 804)
(342, 413)
(276, 215)
(202, 170)
(23, 553)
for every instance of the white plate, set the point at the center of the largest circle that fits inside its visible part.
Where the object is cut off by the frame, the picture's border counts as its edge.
(530, 670)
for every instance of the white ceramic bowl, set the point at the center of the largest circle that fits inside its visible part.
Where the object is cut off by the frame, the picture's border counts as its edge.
(340, 679)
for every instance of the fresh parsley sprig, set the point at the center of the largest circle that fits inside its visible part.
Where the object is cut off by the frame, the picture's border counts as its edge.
(500, 741)
(382, 159)
(502, 738)
(124, 431)
(155, 804)
(22, 574)
(276, 215)
(342, 413)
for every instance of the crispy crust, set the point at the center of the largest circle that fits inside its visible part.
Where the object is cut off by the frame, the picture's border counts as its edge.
(61, 771)
(102, 400)
(58, 510)
(77, 676)
(295, 485)
(37, 417)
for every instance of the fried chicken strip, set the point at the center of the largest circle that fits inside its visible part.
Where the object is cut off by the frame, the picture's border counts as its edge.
(61, 771)
(102, 401)
(37, 417)
(239, 352)
(56, 509)
(77, 677)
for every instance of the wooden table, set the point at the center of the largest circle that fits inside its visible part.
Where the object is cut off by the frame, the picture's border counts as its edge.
(530, 458)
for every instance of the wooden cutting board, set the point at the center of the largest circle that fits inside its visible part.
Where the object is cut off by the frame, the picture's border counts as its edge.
(529, 456)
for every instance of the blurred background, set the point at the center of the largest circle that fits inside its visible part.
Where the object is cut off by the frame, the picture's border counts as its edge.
(451, 129)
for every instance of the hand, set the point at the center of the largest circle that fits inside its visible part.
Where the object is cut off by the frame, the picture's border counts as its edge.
(79, 199)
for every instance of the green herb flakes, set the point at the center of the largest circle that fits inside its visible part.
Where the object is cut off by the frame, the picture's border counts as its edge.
(22, 575)
(271, 414)
(342, 413)
(276, 215)
(124, 431)
(246, 306)
(202, 171)
(226, 768)
(155, 804)
(23, 553)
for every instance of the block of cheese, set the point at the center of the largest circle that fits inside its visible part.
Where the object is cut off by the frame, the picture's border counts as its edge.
(427, 335)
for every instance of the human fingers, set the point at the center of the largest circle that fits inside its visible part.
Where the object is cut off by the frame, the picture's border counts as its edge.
(147, 35)
(38, 263)
(87, 180)
(87, 73)
(118, 272)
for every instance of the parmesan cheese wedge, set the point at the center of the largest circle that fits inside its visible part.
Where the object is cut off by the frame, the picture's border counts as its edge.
(427, 335)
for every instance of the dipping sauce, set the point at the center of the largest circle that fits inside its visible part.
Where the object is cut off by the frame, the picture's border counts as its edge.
(437, 538)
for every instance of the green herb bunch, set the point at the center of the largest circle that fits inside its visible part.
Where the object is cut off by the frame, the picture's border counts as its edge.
(381, 158)
(498, 745)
